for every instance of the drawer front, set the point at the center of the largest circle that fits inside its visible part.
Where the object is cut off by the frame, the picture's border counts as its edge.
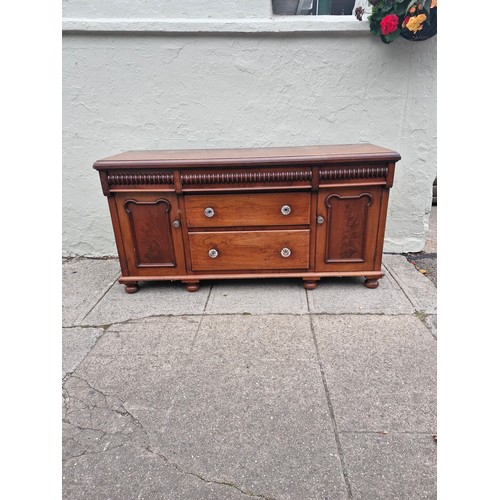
(225, 210)
(249, 250)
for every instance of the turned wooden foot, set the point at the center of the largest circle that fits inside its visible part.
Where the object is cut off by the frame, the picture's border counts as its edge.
(132, 287)
(371, 282)
(310, 284)
(192, 286)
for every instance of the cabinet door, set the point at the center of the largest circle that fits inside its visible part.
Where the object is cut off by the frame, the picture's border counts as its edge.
(153, 245)
(347, 239)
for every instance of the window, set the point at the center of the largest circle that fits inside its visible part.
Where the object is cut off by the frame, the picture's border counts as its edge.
(313, 7)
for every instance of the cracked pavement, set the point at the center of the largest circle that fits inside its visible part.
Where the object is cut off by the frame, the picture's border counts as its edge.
(245, 389)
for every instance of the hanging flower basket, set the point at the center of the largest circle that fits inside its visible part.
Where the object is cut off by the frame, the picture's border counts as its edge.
(412, 19)
(429, 28)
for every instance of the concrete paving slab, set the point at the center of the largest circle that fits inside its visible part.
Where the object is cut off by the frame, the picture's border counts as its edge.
(137, 363)
(421, 292)
(380, 371)
(138, 380)
(156, 298)
(94, 422)
(262, 425)
(141, 362)
(84, 282)
(390, 466)
(262, 296)
(150, 336)
(348, 295)
(107, 454)
(76, 344)
(272, 338)
(232, 405)
(129, 471)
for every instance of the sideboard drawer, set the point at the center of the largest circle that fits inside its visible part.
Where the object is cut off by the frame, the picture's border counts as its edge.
(249, 250)
(226, 210)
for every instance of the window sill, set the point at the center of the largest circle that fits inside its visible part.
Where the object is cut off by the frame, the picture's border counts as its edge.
(276, 24)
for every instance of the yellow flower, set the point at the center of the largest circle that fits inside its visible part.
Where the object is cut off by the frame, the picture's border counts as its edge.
(415, 23)
(434, 3)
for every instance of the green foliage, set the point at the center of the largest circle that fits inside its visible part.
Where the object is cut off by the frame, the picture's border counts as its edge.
(399, 9)
(392, 36)
(411, 4)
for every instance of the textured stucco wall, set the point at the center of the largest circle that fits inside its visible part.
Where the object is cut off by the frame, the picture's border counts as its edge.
(166, 8)
(196, 90)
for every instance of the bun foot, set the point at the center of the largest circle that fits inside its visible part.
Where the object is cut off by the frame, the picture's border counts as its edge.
(310, 284)
(371, 282)
(132, 287)
(192, 286)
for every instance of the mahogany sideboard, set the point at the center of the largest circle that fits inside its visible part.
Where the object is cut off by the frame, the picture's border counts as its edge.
(295, 212)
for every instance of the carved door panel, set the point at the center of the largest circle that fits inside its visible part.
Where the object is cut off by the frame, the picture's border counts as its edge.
(151, 232)
(347, 239)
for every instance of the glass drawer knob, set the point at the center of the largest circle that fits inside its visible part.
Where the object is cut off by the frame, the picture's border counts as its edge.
(213, 253)
(286, 209)
(320, 219)
(286, 252)
(209, 212)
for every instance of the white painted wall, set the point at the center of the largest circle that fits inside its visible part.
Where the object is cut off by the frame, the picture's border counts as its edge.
(172, 9)
(141, 90)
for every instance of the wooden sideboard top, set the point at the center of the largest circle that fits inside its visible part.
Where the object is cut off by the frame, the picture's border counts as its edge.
(186, 158)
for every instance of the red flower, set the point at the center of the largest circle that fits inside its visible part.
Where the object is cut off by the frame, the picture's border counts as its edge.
(389, 24)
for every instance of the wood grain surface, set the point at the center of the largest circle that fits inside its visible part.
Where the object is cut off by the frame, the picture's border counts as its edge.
(248, 209)
(249, 250)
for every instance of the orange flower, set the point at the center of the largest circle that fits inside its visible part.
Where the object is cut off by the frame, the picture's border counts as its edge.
(414, 24)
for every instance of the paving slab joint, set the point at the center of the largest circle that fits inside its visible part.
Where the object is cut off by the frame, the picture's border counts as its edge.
(108, 288)
(422, 316)
(330, 408)
(98, 337)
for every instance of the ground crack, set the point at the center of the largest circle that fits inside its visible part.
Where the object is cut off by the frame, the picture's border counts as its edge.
(209, 481)
(118, 408)
(87, 453)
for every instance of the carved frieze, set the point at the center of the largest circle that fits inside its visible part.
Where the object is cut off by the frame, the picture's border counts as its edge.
(364, 172)
(246, 177)
(140, 179)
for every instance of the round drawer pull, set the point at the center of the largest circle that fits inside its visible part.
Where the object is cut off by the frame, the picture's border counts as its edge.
(213, 253)
(286, 252)
(320, 219)
(209, 212)
(286, 209)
